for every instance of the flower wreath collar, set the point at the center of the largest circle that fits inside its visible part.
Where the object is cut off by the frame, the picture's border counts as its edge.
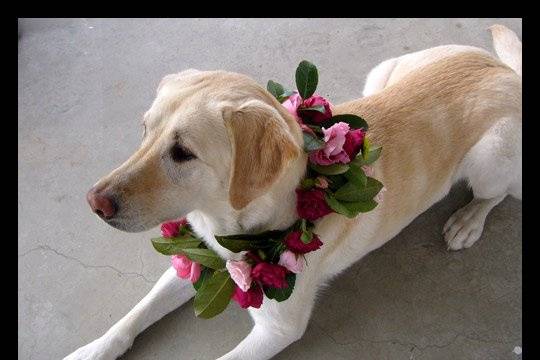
(338, 180)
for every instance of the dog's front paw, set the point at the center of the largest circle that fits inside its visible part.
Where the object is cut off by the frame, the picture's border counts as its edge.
(99, 349)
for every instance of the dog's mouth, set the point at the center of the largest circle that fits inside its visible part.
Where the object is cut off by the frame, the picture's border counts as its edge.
(123, 226)
(130, 224)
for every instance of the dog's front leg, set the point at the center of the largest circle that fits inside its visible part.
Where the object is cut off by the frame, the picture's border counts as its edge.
(167, 294)
(278, 324)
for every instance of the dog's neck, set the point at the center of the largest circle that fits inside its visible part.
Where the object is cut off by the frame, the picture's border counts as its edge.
(275, 210)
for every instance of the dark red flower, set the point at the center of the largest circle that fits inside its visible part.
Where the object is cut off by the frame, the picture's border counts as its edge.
(172, 228)
(311, 205)
(272, 275)
(353, 142)
(296, 245)
(314, 116)
(253, 297)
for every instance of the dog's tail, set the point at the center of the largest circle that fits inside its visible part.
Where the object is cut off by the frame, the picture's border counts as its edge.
(507, 46)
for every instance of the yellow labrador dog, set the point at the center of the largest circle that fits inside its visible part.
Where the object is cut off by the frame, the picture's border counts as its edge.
(220, 149)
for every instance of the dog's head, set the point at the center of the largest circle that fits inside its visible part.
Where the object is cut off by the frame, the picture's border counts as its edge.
(209, 137)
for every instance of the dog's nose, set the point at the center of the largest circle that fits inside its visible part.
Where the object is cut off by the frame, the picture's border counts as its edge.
(101, 204)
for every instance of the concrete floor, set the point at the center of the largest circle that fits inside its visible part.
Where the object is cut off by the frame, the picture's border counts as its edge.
(83, 87)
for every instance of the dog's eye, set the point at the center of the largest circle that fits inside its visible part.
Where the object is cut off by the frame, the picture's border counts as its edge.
(179, 153)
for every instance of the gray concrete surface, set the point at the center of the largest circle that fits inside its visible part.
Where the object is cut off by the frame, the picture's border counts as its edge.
(83, 87)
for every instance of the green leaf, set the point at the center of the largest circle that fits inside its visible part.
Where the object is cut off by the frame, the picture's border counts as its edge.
(281, 98)
(275, 88)
(243, 242)
(336, 181)
(185, 230)
(307, 183)
(278, 91)
(275, 251)
(281, 294)
(173, 246)
(214, 295)
(311, 143)
(372, 155)
(206, 273)
(316, 129)
(354, 121)
(261, 254)
(358, 160)
(360, 206)
(271, 234)
(333, 169)
(205, 257)
(307, 78)
(356, 175)
(352, 193)
(350, 209)
(303, 224)
(237, 245)
(318, 108)
(306, 236)
(365, 147)
(338, 206)
(287, 93)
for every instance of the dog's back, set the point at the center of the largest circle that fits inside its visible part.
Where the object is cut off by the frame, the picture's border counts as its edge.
(431, 121)
(505, 42)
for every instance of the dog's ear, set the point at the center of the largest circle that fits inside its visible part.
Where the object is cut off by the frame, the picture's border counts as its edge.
(262, 146)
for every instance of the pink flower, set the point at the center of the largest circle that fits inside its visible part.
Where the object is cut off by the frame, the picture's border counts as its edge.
(195, 272)
(296, 107)
(253, 297)
(311, 204)
(353, 142)
(321, 182)
(314, 116)
(172, 228)
(380, 196)
(333, 152)
(240, 272)
(296, 245)
(270, 275)
(291, 261)
(292, 104)
(185, 268)
(368, 170)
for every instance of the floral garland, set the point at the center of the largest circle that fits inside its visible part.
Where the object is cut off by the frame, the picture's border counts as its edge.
(338, 179)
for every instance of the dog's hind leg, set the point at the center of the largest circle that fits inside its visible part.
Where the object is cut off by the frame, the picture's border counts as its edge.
(167, 294)
(493, 166)
(493, 170)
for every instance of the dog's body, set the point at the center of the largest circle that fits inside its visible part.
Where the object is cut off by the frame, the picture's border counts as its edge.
(441, 115)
